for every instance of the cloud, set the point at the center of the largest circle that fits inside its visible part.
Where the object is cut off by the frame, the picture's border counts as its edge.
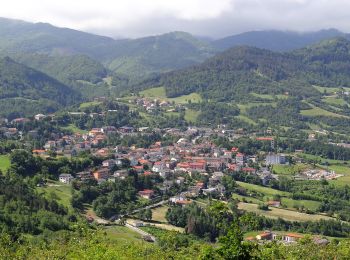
(216, 18)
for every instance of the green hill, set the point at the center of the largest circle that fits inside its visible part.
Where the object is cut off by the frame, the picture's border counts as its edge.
(235, 73)
(67, 69)
(25, 91)
(129, 57)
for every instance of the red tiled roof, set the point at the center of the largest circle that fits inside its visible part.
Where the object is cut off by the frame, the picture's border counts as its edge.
(264, 138)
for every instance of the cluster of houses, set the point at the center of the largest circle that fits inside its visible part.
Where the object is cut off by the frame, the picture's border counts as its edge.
(318, 174)
(170, 162)
(284, 238)
(152, 105)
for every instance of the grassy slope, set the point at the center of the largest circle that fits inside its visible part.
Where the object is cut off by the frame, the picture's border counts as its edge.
(74, 129)
(4, 162)
(161, 94)
(122, 234)
(317, 111)
(62, 192)
(281, 213)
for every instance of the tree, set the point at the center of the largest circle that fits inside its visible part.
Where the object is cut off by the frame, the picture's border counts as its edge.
(231, 245)
(148, 214)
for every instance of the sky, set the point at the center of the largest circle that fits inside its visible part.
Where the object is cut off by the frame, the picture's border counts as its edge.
(211, 18)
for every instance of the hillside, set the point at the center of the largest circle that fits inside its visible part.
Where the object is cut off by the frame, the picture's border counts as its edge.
(67, 69)
(25, 91)
(276, 40)
(131, 57)
(235, 73)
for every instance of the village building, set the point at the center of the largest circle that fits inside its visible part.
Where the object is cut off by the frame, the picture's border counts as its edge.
(65, 178)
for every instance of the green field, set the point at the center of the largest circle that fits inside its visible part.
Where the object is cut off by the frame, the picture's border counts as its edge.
(191, 115)
(264, 190)
(122, 234)
(309, 204)
(288, 169)
(5, 162)
(158, 214)
(89, 104)
(246, 119)
(59, 191)
(316, 111)
(161, 94)
(281, 213)
(334, 101)
(74, 129)
(269, 97)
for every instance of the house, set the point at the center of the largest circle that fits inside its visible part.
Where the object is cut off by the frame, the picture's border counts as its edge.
(146, 194)
(274, 203)
(84, 176)
(158, 166)
(39, 117)
(3, 121)
(138, 168)
(50, 145)
(39, 152)
(108, 163)
(126, 129)
(102, 173)
(20, 120)
(291, 237)
(267, 235)
(121, 174)
(65, 178)
(273, 159)
(240, 158)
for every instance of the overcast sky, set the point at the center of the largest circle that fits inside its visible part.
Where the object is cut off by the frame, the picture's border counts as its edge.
(213, 18)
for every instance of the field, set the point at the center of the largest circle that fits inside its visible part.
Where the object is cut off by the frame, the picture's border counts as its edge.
(74, 129)
(191, 115)
(288, 170)
(158, 214)
(161, 94)
(60, 192)
(281, 213)
(4, 162)
(316, 111)
(264, 190)
(334, 101)
(122, 234)
(89, 104)
(269, 97)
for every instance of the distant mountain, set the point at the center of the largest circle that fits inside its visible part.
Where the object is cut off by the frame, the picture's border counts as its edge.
(155, 54)
(25, 91)
(132, 58)
(237, 72)
(276, 40)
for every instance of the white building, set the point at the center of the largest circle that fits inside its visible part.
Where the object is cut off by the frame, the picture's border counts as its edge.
(65, 178)
(272, 159)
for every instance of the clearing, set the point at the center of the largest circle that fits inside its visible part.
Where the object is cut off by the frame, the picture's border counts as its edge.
(161, 94)
(281, 213)
(58, 191)
(5, 162)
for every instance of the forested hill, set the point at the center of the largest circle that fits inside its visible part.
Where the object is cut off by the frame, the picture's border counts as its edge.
(127, 57)
(67, 69)
(276, 40)
(24, 90)
(235, 73)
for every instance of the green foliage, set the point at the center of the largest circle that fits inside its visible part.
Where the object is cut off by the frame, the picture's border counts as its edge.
(34, 89)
